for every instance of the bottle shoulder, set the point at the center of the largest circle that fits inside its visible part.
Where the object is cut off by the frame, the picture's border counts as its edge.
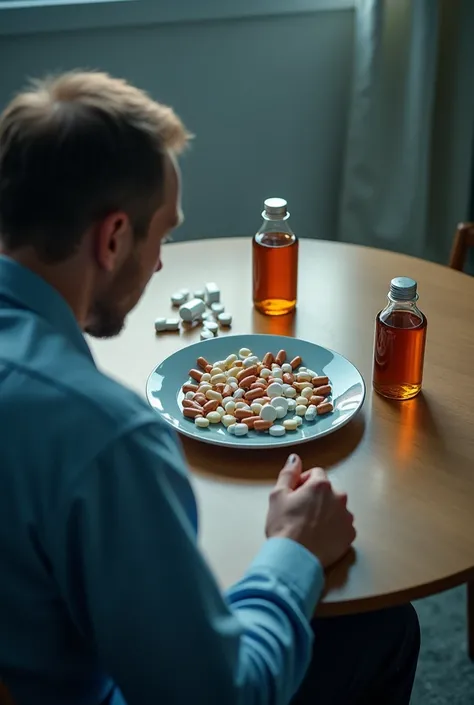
(275, 239)
(405, 316)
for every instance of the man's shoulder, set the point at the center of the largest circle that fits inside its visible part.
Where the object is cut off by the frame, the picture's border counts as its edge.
(104, 399)
(61, 385)
(93, 399)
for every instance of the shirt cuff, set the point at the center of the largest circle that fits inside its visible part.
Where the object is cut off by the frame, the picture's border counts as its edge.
(299, 569)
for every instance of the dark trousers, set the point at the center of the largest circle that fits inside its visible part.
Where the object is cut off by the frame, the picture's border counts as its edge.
(363, 659)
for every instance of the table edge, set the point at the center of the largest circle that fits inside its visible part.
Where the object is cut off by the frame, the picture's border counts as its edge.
(338, 608)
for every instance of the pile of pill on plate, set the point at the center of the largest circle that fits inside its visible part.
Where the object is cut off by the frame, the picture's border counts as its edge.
(243, 392)
(203, 306)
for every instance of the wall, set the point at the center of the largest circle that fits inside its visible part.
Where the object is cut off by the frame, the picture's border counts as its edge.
(266, 94)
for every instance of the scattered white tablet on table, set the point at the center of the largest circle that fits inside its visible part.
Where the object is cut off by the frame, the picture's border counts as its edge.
(212, 293)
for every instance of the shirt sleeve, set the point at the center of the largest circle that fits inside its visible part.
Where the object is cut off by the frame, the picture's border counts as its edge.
(141, 594)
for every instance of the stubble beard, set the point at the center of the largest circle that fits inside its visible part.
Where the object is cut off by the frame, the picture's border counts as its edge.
(104, 321)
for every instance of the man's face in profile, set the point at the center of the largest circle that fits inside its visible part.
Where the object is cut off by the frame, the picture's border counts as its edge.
(110, 309)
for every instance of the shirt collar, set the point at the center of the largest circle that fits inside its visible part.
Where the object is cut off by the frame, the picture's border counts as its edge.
(27, 290)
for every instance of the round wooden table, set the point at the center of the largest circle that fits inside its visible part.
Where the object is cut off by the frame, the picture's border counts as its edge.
(408, 467)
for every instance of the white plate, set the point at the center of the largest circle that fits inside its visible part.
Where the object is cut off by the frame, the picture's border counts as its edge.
(164, 393)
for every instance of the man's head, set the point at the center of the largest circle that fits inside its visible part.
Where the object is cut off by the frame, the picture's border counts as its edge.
(89, 183)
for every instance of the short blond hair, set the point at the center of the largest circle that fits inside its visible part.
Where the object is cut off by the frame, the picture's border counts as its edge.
(75, 147)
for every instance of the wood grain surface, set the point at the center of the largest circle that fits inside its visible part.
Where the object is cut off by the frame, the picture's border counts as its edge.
(408, 466)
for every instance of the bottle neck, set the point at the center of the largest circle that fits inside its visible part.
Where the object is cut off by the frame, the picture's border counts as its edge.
(410, 307)
(275, 225)
(408, 304)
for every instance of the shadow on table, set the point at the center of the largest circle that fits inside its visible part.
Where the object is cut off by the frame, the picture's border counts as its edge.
(416, 418)
(263, 465)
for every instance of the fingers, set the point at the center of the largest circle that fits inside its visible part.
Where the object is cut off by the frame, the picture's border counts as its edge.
(290, 474)
(308, 474)
(342, 497)
(317, 476)
(318, 479)
(350, 521)
(305, 475)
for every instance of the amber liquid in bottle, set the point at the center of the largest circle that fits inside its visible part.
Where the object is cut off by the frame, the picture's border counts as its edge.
(399, 353)
(275, 272)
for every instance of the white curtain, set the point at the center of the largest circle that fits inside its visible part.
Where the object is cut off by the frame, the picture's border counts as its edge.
(398, 156)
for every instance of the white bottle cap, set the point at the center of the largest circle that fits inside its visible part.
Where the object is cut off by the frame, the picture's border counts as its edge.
(403, 289)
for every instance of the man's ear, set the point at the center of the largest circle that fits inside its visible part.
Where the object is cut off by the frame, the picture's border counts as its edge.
(112, 240)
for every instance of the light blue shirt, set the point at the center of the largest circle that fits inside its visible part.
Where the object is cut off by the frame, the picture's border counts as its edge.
(104, 595)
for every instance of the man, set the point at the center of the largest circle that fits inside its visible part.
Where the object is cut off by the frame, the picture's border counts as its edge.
(104, 596)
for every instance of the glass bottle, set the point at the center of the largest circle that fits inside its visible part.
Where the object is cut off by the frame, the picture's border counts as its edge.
(400, 336)
(275, 261)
